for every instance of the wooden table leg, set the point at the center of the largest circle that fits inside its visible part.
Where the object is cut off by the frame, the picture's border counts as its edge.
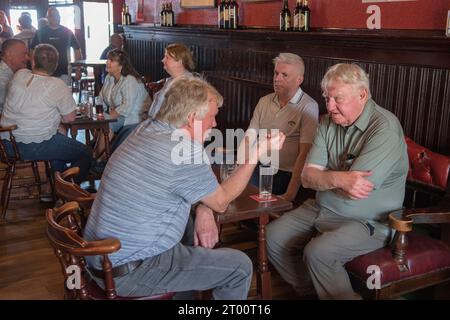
(263, 284)
(73, 132)
(97, 80)
(105, 131)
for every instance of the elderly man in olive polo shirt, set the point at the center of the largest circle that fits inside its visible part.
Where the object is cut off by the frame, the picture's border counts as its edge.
(294, 113)
(358, 164)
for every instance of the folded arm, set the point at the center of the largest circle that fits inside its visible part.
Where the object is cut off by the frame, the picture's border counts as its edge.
(352, 184)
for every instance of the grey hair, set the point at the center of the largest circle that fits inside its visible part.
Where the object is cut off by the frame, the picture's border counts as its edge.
(186, 96)
(46, 58)
(348, 73)
(292, 59)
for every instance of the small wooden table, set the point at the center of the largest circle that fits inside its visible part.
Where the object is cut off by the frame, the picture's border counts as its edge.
(245, 208)
(97, 65)
(99, 123)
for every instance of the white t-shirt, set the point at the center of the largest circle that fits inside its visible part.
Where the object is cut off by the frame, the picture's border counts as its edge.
(35, 104)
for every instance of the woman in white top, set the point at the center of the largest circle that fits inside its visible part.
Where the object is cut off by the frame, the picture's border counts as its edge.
(37, 103)
(123, 93)
(177, 62)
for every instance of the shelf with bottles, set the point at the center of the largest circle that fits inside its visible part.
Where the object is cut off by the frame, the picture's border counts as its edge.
(227, 14)
(167, 16)
(300, 22)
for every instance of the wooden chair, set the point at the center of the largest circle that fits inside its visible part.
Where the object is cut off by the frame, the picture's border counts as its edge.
(412, 261)
(153, 86)
(13, 163)
(67, 190)
(64, 233)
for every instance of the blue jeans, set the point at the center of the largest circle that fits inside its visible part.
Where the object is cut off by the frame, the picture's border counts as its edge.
(122, 135)
(59, 150)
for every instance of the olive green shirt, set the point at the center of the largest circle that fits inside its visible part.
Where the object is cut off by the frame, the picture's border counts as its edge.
(374, 142)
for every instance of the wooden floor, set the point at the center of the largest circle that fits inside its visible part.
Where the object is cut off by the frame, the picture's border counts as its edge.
(29, 269)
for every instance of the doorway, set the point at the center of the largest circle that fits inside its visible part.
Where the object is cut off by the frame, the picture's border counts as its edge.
(15, 15)
(96, 28)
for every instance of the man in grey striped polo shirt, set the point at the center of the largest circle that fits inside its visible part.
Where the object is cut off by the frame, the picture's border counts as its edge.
(146, 194)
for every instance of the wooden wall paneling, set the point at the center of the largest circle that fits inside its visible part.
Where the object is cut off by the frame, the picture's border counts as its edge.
(409, 74)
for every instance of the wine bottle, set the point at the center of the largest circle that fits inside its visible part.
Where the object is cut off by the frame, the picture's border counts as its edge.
(163, 15)
(234, 14)
(306, 16)
(226, 15)
(169, 15)
(124, 10)
(285, 17)
(173, 15)
(220, 9)
(297, 15)
(127, 16)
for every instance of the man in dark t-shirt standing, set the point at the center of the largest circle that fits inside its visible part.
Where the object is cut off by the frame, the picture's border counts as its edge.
(62, 39)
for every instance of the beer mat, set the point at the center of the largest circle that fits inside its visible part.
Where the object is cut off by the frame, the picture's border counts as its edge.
(258, 199)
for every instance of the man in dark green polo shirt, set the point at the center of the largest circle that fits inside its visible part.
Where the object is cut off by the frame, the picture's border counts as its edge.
(358, 165)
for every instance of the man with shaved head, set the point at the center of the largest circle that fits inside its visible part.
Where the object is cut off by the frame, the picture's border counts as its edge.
(14, 57)
(62, 39)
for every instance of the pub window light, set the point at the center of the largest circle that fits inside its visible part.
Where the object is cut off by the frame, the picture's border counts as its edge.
(59, 2)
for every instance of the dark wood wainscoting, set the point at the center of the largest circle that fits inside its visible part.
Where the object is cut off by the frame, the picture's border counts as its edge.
(409, 70)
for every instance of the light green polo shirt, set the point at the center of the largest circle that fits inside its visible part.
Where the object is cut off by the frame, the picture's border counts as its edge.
(374, 142)
(298, 120)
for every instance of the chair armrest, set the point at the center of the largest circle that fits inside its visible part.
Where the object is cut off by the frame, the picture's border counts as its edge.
(403, 220)
(99, 247)
(70, 173)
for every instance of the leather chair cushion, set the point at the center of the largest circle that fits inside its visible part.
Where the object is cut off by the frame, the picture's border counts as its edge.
(426, 166)
(96, 293)
(423, 254)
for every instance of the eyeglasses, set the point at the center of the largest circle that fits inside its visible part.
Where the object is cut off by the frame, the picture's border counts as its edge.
(346, 161)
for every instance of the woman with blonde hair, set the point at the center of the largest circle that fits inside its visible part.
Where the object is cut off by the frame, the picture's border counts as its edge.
(178, 62)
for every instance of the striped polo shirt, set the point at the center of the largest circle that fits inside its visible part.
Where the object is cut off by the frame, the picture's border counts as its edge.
(146, 193)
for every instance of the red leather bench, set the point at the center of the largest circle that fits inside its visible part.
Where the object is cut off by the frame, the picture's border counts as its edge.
(416, 261)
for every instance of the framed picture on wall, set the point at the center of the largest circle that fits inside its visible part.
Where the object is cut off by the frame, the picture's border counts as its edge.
(198, 3)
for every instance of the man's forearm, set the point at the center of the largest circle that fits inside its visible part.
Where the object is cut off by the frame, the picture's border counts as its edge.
(320, 180)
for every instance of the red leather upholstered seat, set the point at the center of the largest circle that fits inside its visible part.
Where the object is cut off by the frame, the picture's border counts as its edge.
(424, 254)
(427, 166)
(412, 261)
